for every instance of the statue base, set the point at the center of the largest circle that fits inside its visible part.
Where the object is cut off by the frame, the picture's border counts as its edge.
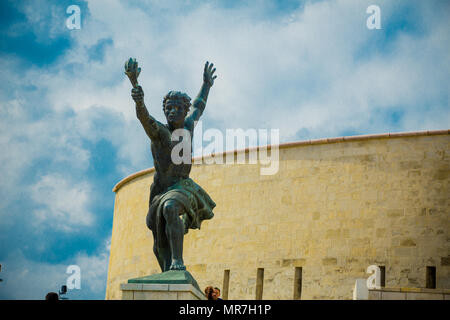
(169, 285)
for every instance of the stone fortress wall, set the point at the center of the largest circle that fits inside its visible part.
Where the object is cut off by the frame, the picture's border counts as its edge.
(335, 207)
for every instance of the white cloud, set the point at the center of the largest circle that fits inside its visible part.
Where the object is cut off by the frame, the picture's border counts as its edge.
(29, 280)
(64, 204)
(46, 19)
(26, 279)
(293, 73)
(25, 140)
(94, 268)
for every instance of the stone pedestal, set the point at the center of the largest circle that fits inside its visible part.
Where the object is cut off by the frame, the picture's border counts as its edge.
(169, 285)
(137, 291)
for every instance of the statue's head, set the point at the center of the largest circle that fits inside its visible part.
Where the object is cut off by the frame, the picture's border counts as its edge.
(176, 105)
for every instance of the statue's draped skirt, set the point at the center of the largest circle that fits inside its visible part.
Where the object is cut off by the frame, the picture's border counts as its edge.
(196, 202)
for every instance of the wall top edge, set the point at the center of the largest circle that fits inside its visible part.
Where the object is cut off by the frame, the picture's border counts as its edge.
(296, 144)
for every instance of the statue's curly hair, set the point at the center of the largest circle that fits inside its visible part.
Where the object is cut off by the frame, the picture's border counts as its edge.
(179, 98)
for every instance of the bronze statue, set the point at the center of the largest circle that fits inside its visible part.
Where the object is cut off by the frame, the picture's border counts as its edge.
(177, 203)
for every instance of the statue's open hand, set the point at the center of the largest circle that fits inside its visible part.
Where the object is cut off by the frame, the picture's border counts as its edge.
(137, 94)
(208, 74)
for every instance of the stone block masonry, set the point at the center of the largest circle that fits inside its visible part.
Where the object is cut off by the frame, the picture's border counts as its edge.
(335, 207)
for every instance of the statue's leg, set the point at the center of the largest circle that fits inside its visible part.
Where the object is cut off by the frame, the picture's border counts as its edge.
(161, 247)
(162, 253)
(175, 232)
(156, 252)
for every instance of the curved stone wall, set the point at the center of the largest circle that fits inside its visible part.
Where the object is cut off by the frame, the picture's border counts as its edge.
(335, 207)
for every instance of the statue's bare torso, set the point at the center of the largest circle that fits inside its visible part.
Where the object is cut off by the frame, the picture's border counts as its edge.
(168, 173)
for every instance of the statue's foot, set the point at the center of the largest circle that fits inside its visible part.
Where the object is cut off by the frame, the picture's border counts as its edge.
(177, 265)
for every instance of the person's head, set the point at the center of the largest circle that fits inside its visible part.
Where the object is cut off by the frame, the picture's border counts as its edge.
(209, 293)
(52, 296)
(216, 293)
(176, 105)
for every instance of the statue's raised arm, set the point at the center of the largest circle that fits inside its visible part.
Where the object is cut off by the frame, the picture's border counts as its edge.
(148, 122)
(199, 104)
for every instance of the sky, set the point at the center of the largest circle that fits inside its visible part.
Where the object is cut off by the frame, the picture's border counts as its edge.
(68, 129)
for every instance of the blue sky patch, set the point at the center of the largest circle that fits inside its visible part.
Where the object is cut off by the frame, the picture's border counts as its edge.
(97, 52)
